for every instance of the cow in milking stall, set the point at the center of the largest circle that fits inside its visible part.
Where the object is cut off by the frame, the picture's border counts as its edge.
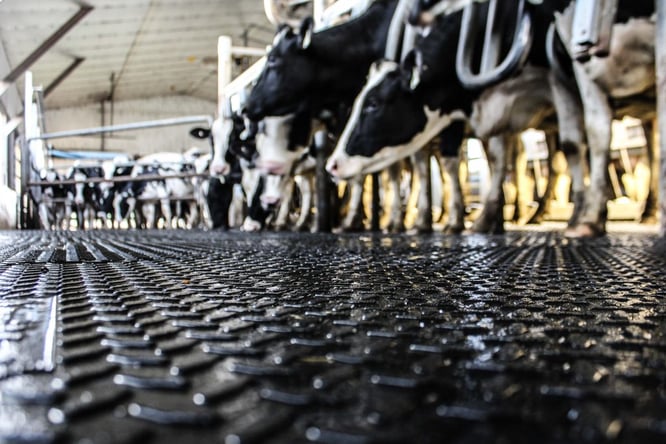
(322, 71)
(159, 188)
(85, 195)
(401, 108)
(285, 141)
(120, 166)
(232, 163)
(620, 83)
(55, 203)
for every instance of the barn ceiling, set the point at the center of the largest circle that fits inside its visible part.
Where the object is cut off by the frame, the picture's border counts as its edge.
(131, 48)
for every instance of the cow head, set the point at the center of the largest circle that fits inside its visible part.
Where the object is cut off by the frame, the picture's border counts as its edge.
(389, 121)
(280, 142)
(242, 143)
(287, 76)
(219, 135)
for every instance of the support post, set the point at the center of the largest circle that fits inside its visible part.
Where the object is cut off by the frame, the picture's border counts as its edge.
(224, 51)
(376, 204)
(660, 48)
(322, 184)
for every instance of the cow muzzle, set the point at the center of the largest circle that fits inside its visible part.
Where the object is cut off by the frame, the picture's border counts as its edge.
(220, 169)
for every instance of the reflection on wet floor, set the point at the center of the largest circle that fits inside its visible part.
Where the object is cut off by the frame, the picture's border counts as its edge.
(284, 338)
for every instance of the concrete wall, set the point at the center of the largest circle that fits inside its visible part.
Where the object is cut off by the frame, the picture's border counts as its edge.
(139, 142)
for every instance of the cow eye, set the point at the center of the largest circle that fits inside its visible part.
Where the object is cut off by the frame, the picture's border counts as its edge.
(371, 105)
(272, 61)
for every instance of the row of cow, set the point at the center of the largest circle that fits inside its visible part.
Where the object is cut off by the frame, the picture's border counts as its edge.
(123, 192)
(380, 111)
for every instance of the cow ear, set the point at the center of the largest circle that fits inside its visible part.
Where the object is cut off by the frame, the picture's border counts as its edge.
(305, 33)
(200, 133)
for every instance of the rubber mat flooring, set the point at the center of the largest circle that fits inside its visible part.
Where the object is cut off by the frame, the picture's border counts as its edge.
(179, 337)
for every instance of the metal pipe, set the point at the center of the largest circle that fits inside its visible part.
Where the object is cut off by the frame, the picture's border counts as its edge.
(119, 179)
(48, 43)
(248, 51)
(244, 79)
(318, 8)
(395, 29)
(223, 71)
(660, 49)
(125, 127)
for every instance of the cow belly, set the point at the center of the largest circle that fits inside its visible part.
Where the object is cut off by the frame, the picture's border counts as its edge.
(513, 105)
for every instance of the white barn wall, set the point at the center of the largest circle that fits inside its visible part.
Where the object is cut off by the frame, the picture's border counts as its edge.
(139, 142)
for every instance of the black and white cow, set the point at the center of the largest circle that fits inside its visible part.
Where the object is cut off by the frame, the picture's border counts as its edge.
(324, 68)
(171, 193)
(54, 206)
(85, 195)
(401, 108)
(232, 163)
(321, 73)
(285, 160)
(625, 77)
(120, 166)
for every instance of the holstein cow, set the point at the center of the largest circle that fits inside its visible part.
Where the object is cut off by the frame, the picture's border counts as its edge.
(401, 108)
(120, 166)
(85, 195)
(54, 207)
(284, 155)
(232, 163)
(320, 73)
(147, 193)
(608, 84)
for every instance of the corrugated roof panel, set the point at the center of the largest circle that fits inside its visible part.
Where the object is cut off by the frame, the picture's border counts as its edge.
(154, 47)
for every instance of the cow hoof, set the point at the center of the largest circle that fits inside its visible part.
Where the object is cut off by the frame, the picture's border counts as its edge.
(352, 229)
(488, 228)
(453, 229)
(395, 229)
(421, 229)
(583, 231)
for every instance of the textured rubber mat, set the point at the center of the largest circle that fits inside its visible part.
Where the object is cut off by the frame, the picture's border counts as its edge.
(178, 337)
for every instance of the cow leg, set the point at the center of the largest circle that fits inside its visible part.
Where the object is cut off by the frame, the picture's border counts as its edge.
(572, 136)
(598, 118)
(451, 140)
(491, 219)
(396, 222)
(149, 212)
(421, 162)
(543, 201)
(165, 206)
(455, 223)
(287, 194)
(44, 219)
(519, 161)
(307, 196)
(649, 215)
(353, 221)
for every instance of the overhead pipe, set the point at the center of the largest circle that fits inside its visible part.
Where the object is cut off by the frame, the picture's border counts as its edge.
(123, 127)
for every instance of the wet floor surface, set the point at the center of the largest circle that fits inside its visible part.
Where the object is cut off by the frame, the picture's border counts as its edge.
(122, 337)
